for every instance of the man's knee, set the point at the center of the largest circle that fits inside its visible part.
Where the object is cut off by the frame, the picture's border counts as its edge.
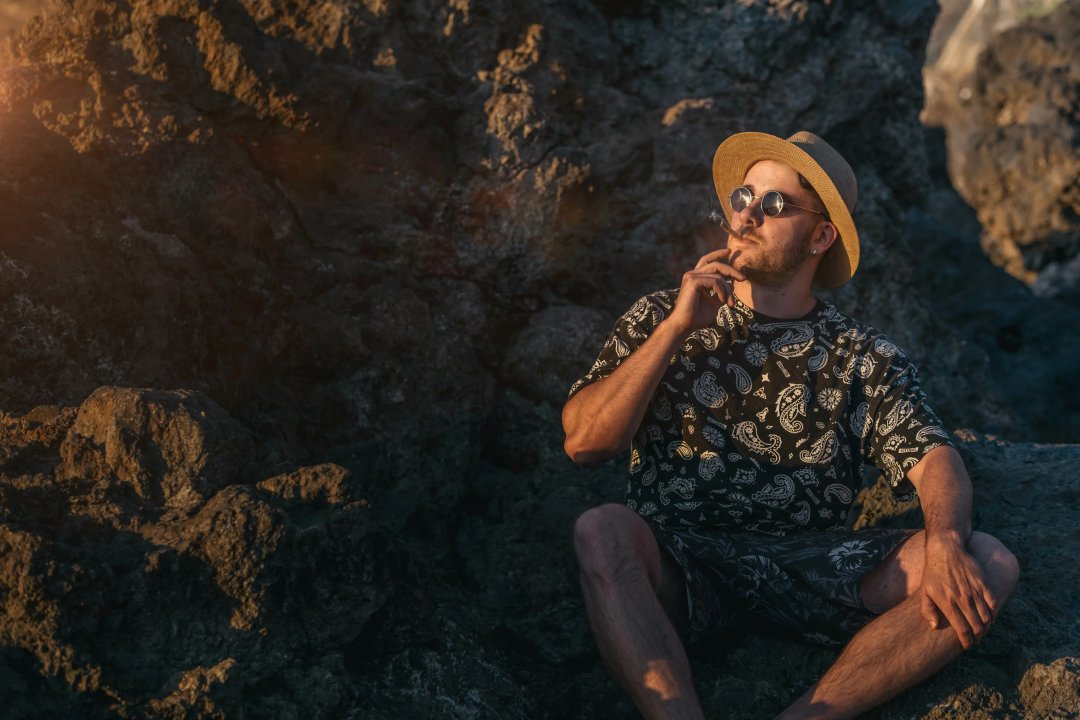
(611, 540)
(999, 564)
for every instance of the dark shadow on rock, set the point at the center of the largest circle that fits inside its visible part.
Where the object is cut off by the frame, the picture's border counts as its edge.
(1010, 334)
(27, 695)
(135, 614)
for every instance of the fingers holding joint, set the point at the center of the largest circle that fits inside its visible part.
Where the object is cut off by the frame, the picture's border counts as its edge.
(725, 286)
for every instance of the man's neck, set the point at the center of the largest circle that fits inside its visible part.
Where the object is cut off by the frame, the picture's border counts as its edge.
(783, 301)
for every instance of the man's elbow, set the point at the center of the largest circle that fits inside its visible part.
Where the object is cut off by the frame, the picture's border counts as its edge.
(584, 443)
(578, 454)
(583, 454)
(574, 444)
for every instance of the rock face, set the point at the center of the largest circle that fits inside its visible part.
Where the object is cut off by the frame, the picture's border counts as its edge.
(278, 194)
(1013, 135)
(15, 13)
(385, 237)
(131, 603)
(168, 449)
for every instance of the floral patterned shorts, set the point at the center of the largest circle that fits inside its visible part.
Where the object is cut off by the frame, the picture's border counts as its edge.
(806, 583)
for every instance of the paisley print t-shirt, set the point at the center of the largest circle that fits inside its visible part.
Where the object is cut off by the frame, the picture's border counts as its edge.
(765, 424)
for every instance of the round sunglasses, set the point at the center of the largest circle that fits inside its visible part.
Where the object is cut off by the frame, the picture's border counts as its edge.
(772, 202)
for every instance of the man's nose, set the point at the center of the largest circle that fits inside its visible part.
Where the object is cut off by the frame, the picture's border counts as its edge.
(750, 216)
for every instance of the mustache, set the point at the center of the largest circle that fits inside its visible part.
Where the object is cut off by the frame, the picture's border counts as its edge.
(751, 235)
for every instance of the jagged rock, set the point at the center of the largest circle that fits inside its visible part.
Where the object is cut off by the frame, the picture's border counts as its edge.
(339, 149)
(326, 483)
(25, 440)
(170, 449)
(961, 32)
(183, 613)
(1010, 332)
(1052, 691)
(1016, 139)
(264, 178)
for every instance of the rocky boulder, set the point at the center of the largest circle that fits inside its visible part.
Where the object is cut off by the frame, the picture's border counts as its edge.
(276, 192)
(1015, 137)
(168, 449)
(188, 608)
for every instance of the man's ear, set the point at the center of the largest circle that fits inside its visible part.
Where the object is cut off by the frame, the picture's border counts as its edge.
(825, 237)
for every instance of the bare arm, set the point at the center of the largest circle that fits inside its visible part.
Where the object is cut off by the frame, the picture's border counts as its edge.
(944, 493)
(601, 419)
(954, 586)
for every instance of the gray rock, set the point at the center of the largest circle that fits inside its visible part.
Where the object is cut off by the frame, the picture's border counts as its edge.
(1052, 691)
(550, 352)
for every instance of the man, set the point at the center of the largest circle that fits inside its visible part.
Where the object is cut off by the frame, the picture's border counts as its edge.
(749, 407)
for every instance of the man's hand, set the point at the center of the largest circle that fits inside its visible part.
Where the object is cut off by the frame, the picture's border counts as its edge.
(704, 289)
(954, 590)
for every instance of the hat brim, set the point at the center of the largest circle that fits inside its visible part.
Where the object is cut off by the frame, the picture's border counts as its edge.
(735, 157)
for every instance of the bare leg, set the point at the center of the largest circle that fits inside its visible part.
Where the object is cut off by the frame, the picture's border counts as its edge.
(898, 649)
(634, 596)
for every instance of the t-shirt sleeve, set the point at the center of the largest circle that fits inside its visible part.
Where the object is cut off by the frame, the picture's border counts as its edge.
(631, 331)
(899, 426)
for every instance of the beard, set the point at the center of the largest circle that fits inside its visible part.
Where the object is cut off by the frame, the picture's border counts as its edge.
(775, 268)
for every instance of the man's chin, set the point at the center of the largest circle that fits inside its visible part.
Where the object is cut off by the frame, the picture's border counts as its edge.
(757, 276)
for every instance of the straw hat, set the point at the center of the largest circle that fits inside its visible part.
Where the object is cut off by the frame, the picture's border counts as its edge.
(827, 172)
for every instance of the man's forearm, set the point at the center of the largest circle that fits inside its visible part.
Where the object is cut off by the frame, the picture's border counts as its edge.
(954, 584)
(602, 418)
(945, 495)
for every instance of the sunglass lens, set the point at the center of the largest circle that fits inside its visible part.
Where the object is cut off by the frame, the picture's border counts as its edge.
(772, 203)
(740, 198)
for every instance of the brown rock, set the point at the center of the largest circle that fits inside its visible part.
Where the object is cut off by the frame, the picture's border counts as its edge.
(325, 483)
(170, 449)
(1053, 690)
(175, 615)
(1016, 138)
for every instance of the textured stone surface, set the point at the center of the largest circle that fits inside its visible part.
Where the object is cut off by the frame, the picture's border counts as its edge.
(1052, 690)
(1015, 137)
(385, 237)
(182, 610)
(14, 14)
(171, 449)
(285, 597)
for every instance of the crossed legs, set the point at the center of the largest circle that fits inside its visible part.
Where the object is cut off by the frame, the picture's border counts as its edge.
(635, 600)
(898, 648)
